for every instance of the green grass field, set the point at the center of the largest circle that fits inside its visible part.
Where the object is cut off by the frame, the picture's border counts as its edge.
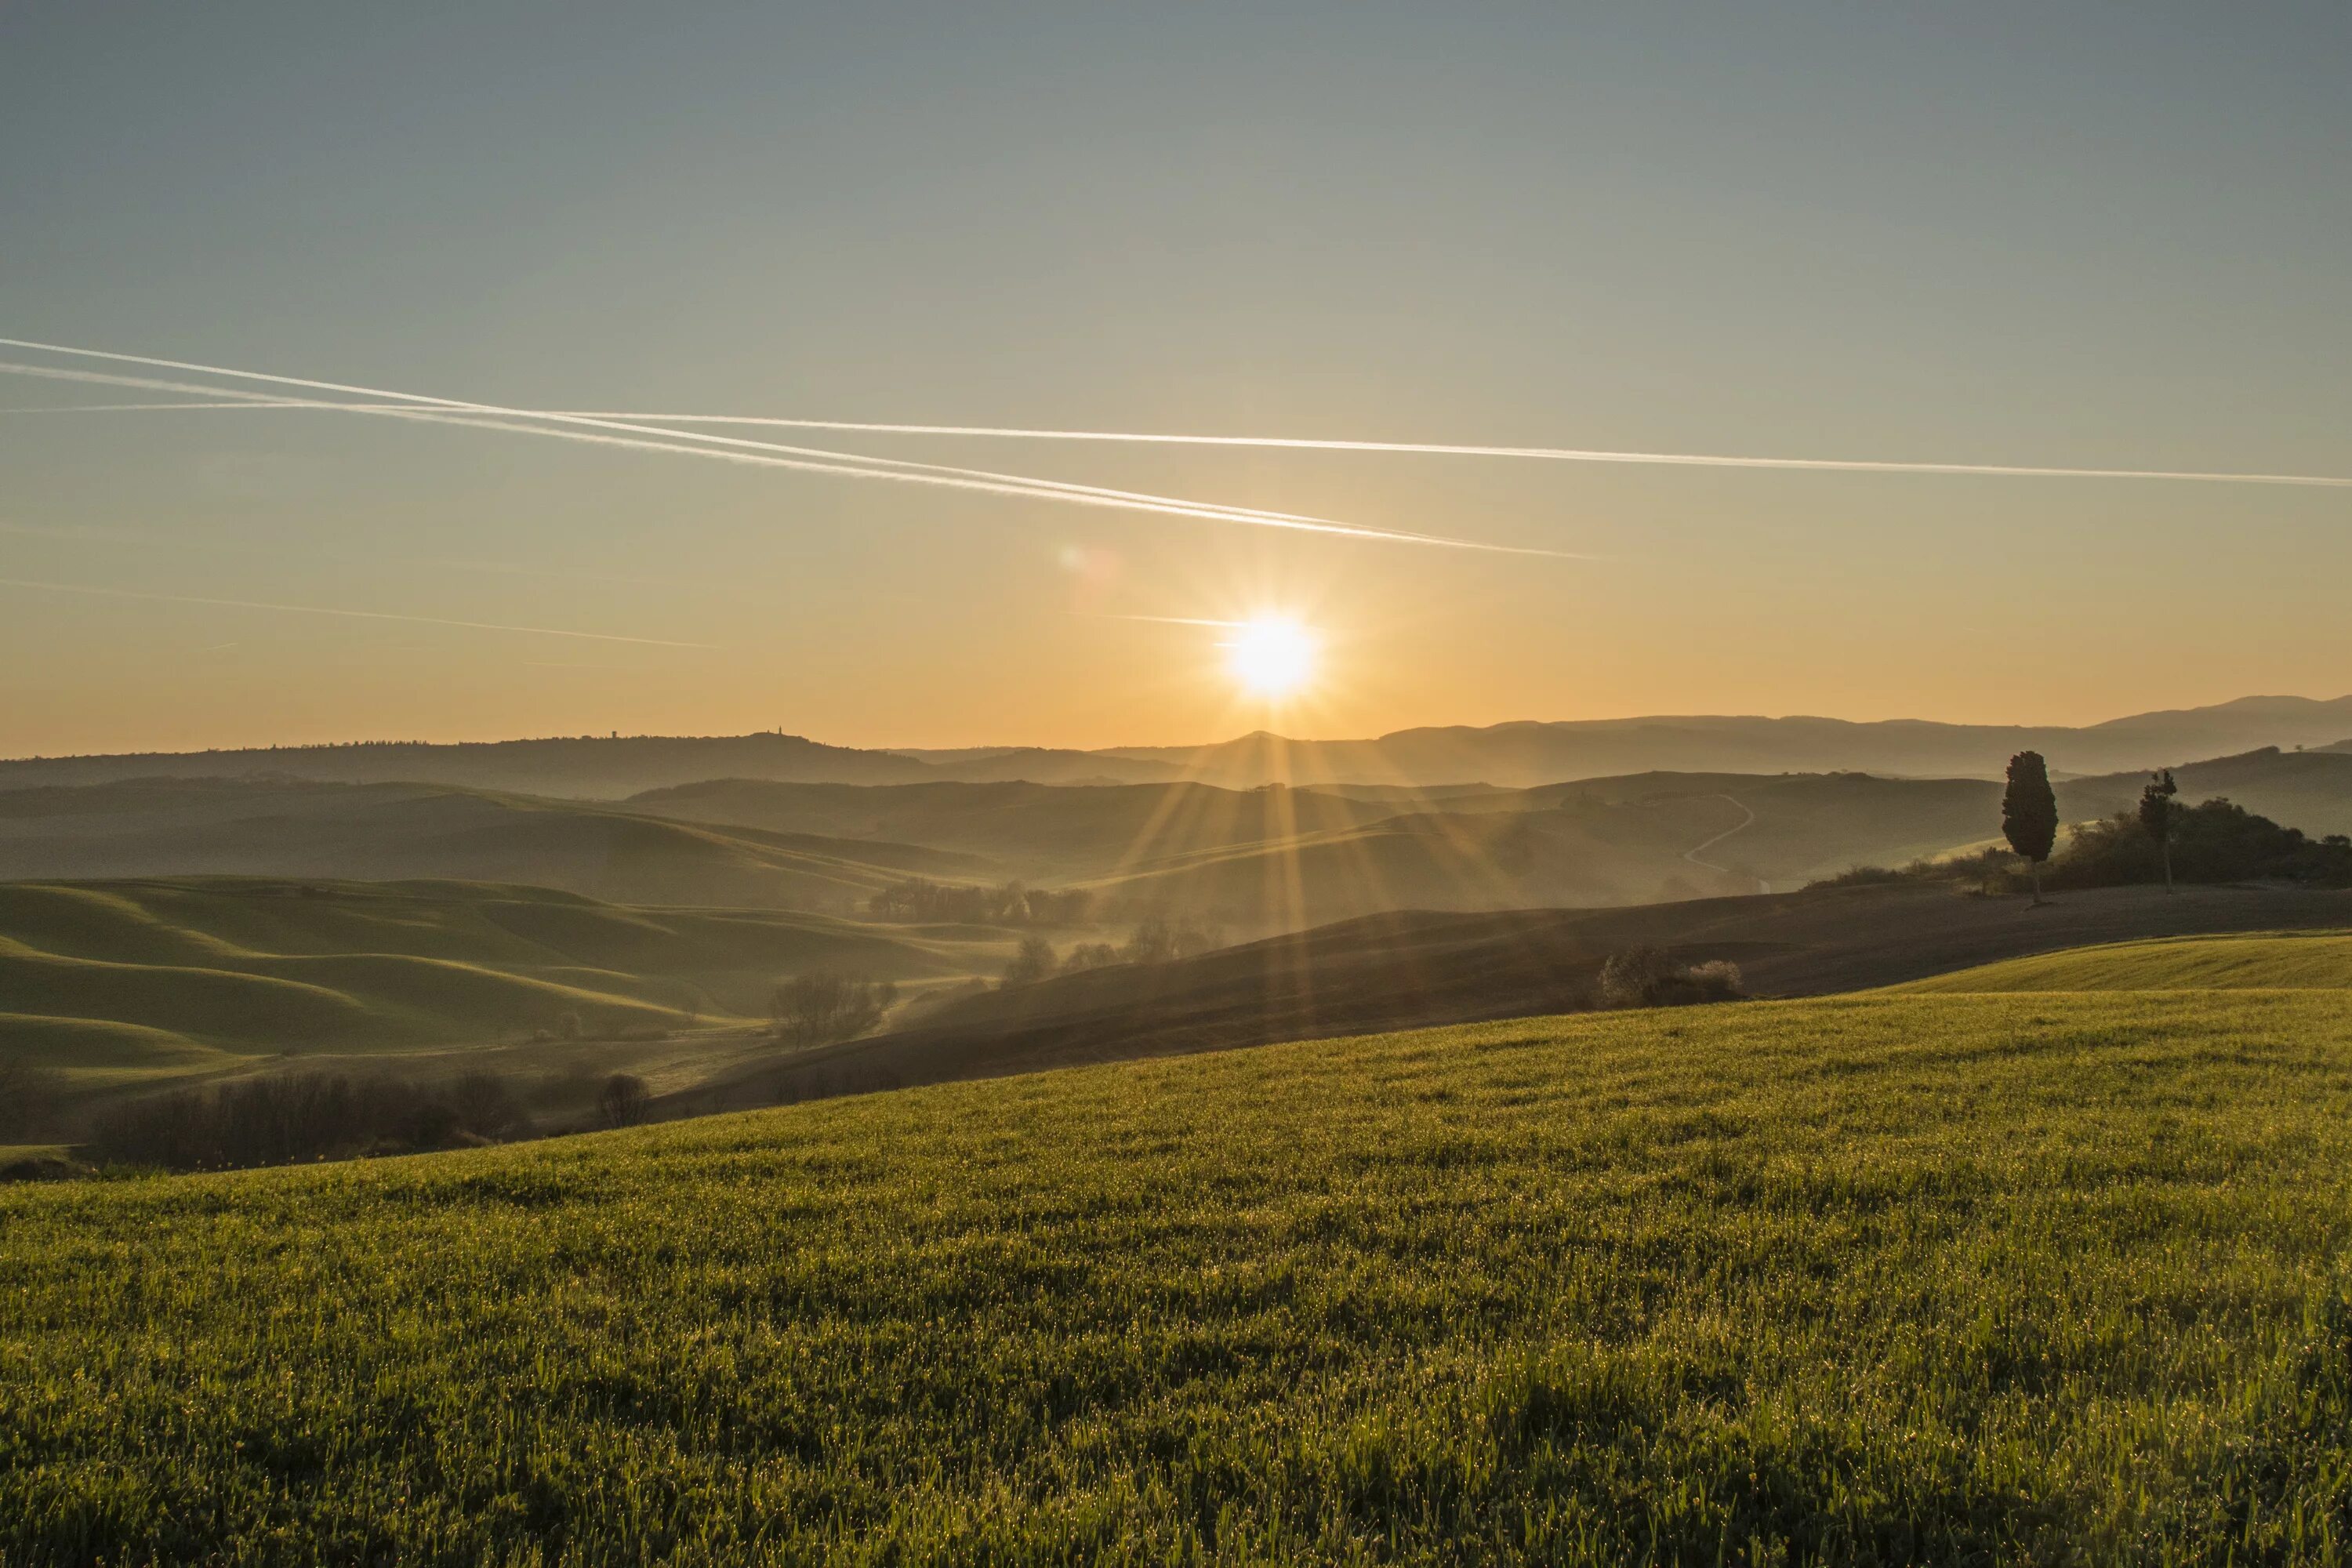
(1887, 1277)
(2288, 961)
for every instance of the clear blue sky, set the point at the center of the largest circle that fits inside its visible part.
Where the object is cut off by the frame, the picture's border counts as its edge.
(2109, 236)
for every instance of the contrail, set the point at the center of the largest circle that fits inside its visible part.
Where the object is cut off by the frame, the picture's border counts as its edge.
(767, 453)
(808, 459)
(96, 591)
(1311, 444)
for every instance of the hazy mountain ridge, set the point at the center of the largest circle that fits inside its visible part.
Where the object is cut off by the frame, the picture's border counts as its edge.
(1528, 753)
(1517, 754)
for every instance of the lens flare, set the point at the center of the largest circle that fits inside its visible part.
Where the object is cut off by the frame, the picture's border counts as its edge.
(1271, 655)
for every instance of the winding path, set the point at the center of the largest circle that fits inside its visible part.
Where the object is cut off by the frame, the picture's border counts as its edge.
(1692, 853)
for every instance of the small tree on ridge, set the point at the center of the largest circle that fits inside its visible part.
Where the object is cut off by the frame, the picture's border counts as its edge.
(2157, 813)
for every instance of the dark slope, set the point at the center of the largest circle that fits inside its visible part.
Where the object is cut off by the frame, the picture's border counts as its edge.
(1413, 969)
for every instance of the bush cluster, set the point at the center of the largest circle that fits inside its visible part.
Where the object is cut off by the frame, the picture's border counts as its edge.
(1652, 977)
(307, 1116)
(825, 1005)
(1008, 904)
(1159, 939)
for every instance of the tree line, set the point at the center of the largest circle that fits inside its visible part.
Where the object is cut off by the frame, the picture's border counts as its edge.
(1159, 939)
(918, 898)
(2157, 839)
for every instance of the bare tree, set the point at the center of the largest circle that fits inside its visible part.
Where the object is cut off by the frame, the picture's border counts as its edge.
(621, 1102)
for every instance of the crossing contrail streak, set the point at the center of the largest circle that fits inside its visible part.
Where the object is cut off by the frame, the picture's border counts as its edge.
(96, 591)
(1549, 453)
(492, 417)
(809, 460)
(1311, 444)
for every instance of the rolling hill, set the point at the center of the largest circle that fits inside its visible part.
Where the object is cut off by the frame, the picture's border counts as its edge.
(1887, 1279)
(2283, 961)
(1256, 861)
(2311, 789)
(284, 827)
(126, 985)
(1047, 832)
(1419, 968)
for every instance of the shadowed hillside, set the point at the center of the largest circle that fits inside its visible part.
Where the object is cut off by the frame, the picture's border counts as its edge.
(1408, 970)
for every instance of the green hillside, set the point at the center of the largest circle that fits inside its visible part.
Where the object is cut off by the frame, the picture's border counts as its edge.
(113, 982)
(1878, 1279)
(2298, 961)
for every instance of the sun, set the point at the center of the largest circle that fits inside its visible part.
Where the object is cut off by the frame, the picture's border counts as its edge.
(1271, 655)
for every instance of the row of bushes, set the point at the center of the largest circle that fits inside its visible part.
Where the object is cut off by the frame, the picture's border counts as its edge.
(302, 1117)
(1007, 904)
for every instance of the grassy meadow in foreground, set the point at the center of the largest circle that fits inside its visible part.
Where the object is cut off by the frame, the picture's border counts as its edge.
(1882, 1278)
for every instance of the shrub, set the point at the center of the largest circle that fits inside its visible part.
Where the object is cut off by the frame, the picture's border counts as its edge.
(1159, 938)
(1089, 955)
(1032, 963)
(825, 1005)
(622, 1101)
(1652, 977)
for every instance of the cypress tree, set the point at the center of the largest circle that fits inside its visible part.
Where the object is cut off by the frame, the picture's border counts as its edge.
(2029, 813)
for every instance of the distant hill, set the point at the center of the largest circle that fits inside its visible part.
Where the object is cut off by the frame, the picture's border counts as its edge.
(2311, 789)
(1527, 753)
(1517, 754)
(1409, 970)
(588, 767)
(1042, 764)
(291, 828)
(127, 985)
(1256, 861)
(1058, 832)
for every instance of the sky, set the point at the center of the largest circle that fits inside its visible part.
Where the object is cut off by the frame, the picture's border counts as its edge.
(2082, 236)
